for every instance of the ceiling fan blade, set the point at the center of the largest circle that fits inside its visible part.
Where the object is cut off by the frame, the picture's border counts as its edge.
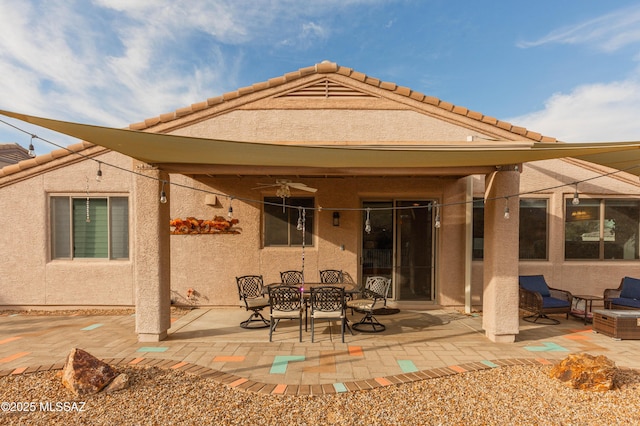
(302, 187)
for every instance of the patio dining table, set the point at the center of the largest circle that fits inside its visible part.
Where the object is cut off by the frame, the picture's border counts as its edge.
(350, 289)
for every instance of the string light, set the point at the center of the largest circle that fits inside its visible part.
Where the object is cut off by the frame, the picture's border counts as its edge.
(32, 150)
(300, 226)
(507, 215)
(163, 195)
(367, 223)
(88, 214)
(230, 212)
(576, 198)
(437, 221)
(304, 215)
(99, 172)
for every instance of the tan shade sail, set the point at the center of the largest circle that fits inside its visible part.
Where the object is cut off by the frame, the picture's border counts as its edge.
(159, 149)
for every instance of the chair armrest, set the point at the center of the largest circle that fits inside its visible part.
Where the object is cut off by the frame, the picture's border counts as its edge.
(560, 294)
(612, 293)
(530, 300)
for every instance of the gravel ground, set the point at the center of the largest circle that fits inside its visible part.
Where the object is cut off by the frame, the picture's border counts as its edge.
(519, 395)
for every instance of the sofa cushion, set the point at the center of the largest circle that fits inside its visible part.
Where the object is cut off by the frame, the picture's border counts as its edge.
(535, 283)
(552, 302)
(624, 301)
(630, 288)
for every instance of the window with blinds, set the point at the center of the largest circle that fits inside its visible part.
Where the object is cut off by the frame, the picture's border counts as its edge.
(94, 227)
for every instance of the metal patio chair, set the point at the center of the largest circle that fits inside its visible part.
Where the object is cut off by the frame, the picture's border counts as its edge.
(327, 302)
(331, 276)
(286, 302)
(252, 298)
(291, 277)
(375, 291)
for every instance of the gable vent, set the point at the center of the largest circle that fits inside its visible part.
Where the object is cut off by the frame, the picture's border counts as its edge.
(326, 89)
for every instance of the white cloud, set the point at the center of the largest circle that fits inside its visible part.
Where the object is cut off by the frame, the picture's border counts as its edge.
(608, 33)
(589, 113)
(114, 62)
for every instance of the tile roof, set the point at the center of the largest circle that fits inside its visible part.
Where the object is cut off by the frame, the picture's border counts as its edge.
(11, 153)
(327, 67)
(324, 68)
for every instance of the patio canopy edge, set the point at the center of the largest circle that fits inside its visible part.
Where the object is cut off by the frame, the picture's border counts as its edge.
(159, 149)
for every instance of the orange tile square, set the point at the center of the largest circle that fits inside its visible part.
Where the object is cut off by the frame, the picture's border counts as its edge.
(238, 382)
(10, 339)
(228, 359)
(383, 381)
(136, 361)
(14, 356)
(178, 365)
(457, 368)
(279, 389)
(356, 351)
(19, 370)
(577, 337)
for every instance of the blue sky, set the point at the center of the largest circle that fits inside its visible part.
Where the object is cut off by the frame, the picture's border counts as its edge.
(568, 69)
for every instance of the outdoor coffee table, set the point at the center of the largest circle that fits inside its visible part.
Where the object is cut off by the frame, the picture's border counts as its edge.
(588, 305)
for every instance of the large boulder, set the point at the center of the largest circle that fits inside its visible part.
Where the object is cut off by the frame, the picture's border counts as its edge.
(85, 374)
(586, 372)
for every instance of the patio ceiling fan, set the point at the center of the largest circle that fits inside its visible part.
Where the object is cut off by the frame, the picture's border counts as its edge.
(284, 187)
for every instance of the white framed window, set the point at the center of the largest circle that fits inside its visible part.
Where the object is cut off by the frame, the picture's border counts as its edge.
(89, 228)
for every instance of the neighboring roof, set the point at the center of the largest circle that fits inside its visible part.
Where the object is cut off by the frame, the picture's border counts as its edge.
(327, 67)
(12, 153)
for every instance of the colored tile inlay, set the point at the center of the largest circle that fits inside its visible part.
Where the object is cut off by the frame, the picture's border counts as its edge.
(228, 358)
(382, 381)
(279, 390)
(19, 370)
(489, 364)
(14, 357)
(458, 369)
(340, 387)
(10, 339)
(153, 349)
(281, 362)
(547, 347)
(407, 366)
(91, 327)
(356, 351)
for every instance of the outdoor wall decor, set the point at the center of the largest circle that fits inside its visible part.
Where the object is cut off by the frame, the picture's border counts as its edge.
(192, 226)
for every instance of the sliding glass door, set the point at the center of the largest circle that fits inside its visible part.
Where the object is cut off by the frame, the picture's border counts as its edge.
(400, 245)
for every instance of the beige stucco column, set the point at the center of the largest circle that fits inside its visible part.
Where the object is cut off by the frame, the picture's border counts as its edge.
(500, 291)
(151, 255)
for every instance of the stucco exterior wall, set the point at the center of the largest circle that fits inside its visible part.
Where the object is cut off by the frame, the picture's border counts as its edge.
(29, 277)
(319, 126)
(209, 264)
(577, 276)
